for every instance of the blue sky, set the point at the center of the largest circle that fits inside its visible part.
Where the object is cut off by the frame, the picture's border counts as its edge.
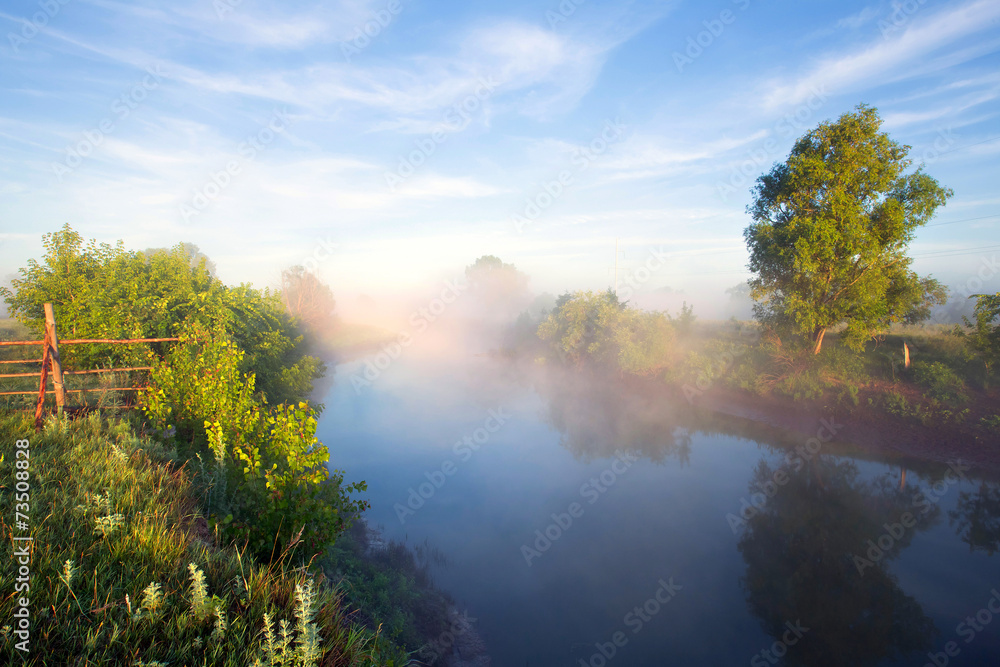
(267, 132)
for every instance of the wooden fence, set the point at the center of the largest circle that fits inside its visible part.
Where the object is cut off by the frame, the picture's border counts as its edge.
(51, 364)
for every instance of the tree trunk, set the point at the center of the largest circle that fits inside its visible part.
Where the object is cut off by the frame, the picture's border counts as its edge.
(818, 337)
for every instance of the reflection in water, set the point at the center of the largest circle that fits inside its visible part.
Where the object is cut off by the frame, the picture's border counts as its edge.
(596, 418)
(817, 553)
(800, 549)
(977, 518)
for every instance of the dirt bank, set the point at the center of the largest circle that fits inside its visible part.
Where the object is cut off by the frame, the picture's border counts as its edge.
(864, 426)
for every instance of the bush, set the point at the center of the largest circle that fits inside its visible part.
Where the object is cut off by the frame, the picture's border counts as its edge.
(986, 333)
(598, 330)
(941, 381)
(267, 481)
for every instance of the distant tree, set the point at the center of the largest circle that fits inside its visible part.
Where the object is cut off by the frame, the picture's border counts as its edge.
(500, 287)
(831, 227)
(194, 254)
(307, 298)
(986, 329)
(588, 328)
(740, 302)
(684, 322)
(977, 518)
(581, 327)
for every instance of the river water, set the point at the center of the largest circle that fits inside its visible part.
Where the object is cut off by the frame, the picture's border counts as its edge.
(581, 524)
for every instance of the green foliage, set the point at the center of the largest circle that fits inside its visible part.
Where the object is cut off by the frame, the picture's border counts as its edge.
(129, 597)
(929, 413)
(985, 336)
(597, 329)
(831, 227)
(684, 322)
(581, 327)
(896, 404)
(942, 382)
(991, 422)
(392, 585)
(200, 380)
(268, 462)
(104, 291)
(645, 341)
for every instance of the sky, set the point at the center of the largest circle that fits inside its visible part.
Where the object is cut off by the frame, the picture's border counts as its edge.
(389, 143)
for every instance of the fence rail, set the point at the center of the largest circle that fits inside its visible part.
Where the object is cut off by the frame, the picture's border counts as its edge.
(96, 370)
(50, 364)
(77, 341)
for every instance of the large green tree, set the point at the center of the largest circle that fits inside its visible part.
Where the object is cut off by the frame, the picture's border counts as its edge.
(831, 228)
(107, 291)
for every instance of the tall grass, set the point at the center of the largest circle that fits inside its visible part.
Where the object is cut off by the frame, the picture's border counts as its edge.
(124, 570)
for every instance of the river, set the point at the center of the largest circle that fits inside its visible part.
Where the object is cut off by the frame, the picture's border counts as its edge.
(585, 525)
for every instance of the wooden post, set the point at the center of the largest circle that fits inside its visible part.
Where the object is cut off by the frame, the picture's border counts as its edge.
(902, 479)
(53, 343)
(906, 356)
(44, 381)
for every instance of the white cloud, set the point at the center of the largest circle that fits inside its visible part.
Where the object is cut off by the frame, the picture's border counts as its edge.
(855, 21)
(437, 186)
(885, 58)
(651, 156)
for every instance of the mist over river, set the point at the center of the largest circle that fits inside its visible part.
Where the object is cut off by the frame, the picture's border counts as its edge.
(583, 524)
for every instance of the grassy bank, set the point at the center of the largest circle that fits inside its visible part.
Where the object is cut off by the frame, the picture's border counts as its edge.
(198, 530)
(951, 383)
(945, 384)
(124, 569)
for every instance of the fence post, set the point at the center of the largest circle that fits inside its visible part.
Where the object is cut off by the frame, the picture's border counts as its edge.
(44, 381)
(57, 377)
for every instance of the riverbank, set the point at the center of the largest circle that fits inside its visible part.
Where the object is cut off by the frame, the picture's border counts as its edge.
(866, 425)
(926, 392)
(125, 569)
(448, 635)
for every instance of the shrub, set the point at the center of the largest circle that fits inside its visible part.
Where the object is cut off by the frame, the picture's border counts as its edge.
(986, 335)
(598, 330)
(941, 381)
(268, 481)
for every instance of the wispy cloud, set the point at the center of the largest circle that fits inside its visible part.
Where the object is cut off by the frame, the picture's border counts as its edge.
(552, 87)
(859, 19)
(893, 56)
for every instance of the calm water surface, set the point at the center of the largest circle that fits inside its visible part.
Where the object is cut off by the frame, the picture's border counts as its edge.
(591, 524)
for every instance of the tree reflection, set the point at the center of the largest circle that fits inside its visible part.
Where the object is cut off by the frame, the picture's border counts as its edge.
(977, 518)
(596, 417)
(816, 551)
